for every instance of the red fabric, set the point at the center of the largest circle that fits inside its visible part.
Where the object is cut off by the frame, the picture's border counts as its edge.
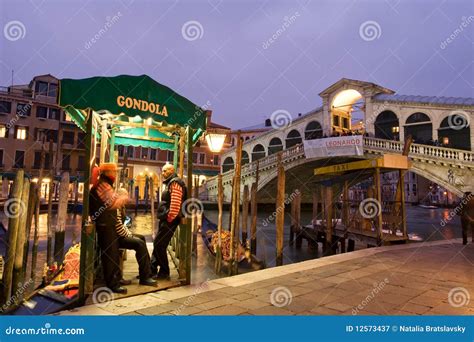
(176, 199)
(95, 175)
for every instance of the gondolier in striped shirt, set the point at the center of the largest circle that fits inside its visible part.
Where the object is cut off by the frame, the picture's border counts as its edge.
(169, 214)
(107, 211)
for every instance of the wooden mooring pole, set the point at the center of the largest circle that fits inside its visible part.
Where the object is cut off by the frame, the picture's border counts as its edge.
(253, 212)
(49, 246)
(60, 231)
(280, 212)
(245, 214)
(234, 225)
(220, 203)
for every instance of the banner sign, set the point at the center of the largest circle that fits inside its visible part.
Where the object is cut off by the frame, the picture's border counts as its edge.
(332, 147)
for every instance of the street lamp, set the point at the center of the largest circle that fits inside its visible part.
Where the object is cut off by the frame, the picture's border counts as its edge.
(215, 139)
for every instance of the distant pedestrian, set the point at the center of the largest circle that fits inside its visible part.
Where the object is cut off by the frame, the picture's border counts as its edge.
(467, 216)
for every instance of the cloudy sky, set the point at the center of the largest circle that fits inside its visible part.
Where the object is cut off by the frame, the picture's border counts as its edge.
(245, 59)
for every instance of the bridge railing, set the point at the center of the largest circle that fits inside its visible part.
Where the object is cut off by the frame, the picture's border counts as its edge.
(416, 150)
(420, 150)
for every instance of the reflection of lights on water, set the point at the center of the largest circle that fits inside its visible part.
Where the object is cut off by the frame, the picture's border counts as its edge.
(415, 237)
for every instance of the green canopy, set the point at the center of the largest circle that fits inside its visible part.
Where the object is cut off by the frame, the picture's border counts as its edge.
(131, 101)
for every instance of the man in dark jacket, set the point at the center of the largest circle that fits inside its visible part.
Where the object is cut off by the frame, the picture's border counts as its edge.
(106, 210)
(169, 214)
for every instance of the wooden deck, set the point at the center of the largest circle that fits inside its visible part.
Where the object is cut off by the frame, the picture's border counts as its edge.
(130, 272)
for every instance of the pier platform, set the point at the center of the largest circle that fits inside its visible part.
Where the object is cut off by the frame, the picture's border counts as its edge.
(431, 278)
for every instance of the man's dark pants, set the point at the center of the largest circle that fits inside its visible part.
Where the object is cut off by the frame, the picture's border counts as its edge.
(110, 257)
(160, 244)
(138, 244)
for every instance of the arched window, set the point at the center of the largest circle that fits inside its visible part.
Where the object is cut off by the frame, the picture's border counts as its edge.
(275, 146)
(245, 157)
(258, 152)
(293, 138)
(454, 131)
(419, 126)
(313, 131)
(387, 126)
(228, 164)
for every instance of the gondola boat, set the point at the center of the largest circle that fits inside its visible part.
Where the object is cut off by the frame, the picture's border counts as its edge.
(252, 263)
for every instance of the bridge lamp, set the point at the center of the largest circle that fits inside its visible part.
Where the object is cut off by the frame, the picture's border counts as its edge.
(445, 140)
(395, 129)
(215, 139)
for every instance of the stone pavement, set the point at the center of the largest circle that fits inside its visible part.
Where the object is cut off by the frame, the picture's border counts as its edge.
(431, 278)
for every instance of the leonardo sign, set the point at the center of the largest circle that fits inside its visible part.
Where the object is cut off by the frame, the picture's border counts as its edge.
(332, 147)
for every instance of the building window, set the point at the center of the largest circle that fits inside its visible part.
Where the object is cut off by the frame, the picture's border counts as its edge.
(120, 151)
(345, 123)
(21, 133)
(46, 135)
(170, 156)
(195, 157)
(81, 163)
(23, 109)
(202, 158)
(37, 160)
(19, 159)
(335, 120)
(53, 114)
(5, 107)
(68, 137)
(81, 140)
(3, 131)
(53, 89)
(152, 154)
(66, 163)
(41, 112)
(216, 160)
(41, 88)
(144, 153)
(130, 151)
(1, 157)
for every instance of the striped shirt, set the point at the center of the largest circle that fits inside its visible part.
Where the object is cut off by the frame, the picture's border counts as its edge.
(120, 227)
(176, 200)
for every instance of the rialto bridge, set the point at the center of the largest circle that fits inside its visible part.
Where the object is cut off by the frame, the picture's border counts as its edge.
(442, 150)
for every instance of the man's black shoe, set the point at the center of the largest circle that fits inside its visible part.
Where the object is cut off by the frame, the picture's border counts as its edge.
(125, 282)
(119, 289)
(161, 276)
(148, 282)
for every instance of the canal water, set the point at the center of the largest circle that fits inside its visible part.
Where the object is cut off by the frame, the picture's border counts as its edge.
(423, 225)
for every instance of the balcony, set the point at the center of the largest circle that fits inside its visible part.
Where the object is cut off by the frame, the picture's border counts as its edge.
(18, 92)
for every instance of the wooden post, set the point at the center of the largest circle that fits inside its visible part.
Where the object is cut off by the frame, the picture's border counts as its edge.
(29, 219)
(297, 200)
(245, 214)
(253, 212)
(14, 208)
(378, 193)
(280, 211)
(181, 158)
(87, 230)
(315, 207)
(152, 199)
(234, 225)
(103, 142)
(345, 205)
(292, 222)
(18, 274)
(220, 202)
(176, 152)
(189, 169)
(401, 175)
(60, 231)
(329, 217)
(112, 156)
(49, 248)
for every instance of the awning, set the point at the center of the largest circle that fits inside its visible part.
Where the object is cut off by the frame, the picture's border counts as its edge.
(141, 111)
